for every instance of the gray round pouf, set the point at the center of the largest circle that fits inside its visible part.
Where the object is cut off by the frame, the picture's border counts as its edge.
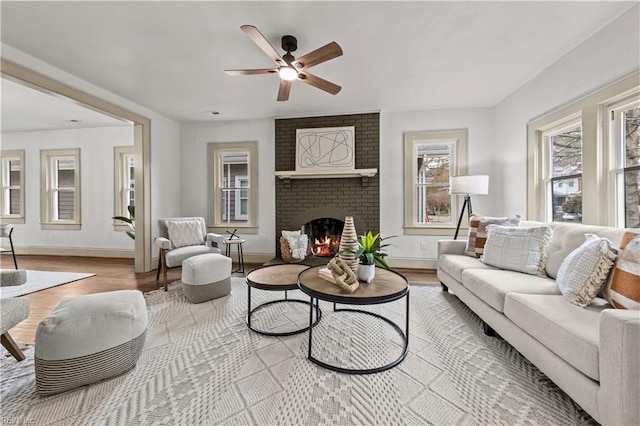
(12, 277)
(206, 277)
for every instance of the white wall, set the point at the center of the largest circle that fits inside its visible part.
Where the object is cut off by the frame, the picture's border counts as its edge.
(194, 190)
(393, 125)
(96, 186)
(164, 134)
(605, 57)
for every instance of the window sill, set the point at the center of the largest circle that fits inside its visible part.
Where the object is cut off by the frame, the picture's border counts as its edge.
(442, 231)
(12, 220)
(61, 226)
(222, 230)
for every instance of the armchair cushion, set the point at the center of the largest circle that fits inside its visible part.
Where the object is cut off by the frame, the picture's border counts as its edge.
(176, 256)
(185, 233)
(14, 310)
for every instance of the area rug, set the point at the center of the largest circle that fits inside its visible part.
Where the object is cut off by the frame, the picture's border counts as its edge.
(39, 280)
(202, 366)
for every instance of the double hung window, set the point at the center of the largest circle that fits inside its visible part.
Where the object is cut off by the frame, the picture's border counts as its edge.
(124, 182)
(12, 200)
(60, 204)
(431, 158)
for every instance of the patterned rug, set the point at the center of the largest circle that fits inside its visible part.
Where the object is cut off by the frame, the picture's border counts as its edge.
(202, 366)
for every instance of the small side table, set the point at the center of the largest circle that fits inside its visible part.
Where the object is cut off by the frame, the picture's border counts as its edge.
(238, 243)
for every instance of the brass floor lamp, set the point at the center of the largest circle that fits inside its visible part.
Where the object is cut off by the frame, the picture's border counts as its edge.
(468, 186)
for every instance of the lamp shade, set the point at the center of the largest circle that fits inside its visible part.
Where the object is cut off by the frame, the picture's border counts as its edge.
(470, 185)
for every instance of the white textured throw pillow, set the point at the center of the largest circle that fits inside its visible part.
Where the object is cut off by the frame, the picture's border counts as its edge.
(517, 249)
(185, 233)
(585, 270)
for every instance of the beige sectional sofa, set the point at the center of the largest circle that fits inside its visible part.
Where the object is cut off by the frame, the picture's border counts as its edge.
(592, 353)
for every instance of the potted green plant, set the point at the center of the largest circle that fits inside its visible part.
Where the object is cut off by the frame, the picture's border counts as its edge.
(129, 220)
(370, 253)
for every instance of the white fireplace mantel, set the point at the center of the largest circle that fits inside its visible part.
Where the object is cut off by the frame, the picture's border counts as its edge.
(327, 175)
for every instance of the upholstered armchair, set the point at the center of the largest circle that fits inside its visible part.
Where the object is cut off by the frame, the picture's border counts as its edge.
(181, 238)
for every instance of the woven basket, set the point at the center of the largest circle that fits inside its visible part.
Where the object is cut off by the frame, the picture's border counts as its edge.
(285, 252)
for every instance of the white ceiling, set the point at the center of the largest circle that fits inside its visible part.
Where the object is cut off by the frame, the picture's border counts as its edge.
(27, 109)
(171, 56)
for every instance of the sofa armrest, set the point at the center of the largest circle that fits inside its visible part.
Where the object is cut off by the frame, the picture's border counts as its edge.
(619, 367)
(451, 247)
(163, 243)
(214, 238)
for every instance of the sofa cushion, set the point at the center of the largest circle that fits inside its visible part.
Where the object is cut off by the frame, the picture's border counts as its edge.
(517, 249)
(569, 331)
(492, 285)
(623, 288)
(584, 272)
(455, 264)
(569, 236)
(176, 256)
(478, 231)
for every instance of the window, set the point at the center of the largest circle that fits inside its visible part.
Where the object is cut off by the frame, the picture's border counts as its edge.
(233, 181)
(625, 141)
(12, 201)
(430, 159)
(563, 172)
(591, 143)
(60, 207)
(124, 183)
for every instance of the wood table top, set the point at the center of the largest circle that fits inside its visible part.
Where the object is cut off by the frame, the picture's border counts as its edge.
(276, 277)
(387, 285)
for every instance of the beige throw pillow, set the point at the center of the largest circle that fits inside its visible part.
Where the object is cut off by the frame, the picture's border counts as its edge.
(585, 270)
(517, 249)
(185, 233)
(478, 231)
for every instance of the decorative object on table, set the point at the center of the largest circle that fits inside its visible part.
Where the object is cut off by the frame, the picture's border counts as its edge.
(370, 253)
(329, 150)
(129, 221)
(293, 246)
(5, 232)
(344, 276)
(468, 186)
(349, 244)
(233, 234)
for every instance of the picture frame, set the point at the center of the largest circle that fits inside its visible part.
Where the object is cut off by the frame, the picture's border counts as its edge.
(325, 150)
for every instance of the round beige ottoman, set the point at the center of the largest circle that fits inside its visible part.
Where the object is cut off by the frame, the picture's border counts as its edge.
(206, 277)
(89, 338)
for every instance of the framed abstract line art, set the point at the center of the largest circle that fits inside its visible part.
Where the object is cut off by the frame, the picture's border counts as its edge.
(327, 150)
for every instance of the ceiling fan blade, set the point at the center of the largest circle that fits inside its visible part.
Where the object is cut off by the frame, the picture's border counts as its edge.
(257, 37)
(318, 82)
(318, 56)
(252, 72)
(283, 91)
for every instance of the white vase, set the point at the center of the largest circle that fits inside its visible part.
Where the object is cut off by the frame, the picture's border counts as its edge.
(366, 273)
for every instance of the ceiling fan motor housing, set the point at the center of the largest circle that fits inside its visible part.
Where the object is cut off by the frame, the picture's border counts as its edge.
(289, 43)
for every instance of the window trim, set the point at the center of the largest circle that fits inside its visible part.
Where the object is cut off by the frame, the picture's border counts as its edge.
(596, 151)
(120, 153)
(459, 138)
(14, 218)
(213, 150)
(46, 207)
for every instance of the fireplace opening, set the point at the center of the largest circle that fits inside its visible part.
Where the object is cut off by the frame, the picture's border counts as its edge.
(324, 236)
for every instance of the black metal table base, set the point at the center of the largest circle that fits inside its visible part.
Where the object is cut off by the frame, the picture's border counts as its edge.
(227, 253)
(285, 300)
(403, 334)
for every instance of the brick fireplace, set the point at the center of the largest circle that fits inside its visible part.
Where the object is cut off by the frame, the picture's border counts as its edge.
(299, 201)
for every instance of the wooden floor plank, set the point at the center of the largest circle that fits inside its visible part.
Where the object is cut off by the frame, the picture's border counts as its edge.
(111, 274)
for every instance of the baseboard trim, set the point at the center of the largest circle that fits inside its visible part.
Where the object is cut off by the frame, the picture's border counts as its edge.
(76, 251)
(412, 263)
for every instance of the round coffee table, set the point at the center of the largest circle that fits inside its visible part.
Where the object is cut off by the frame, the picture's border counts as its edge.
(387, 286)
(277, 278)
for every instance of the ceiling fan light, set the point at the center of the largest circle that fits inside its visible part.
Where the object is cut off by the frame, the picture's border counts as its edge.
(288, 73)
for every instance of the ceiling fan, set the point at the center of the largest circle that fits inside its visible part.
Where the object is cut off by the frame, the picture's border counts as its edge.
(290, 68)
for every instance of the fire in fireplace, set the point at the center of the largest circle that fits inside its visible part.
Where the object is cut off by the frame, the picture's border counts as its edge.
(324, 236)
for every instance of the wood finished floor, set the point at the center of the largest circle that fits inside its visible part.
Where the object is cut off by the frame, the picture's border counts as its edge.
(112, 274)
